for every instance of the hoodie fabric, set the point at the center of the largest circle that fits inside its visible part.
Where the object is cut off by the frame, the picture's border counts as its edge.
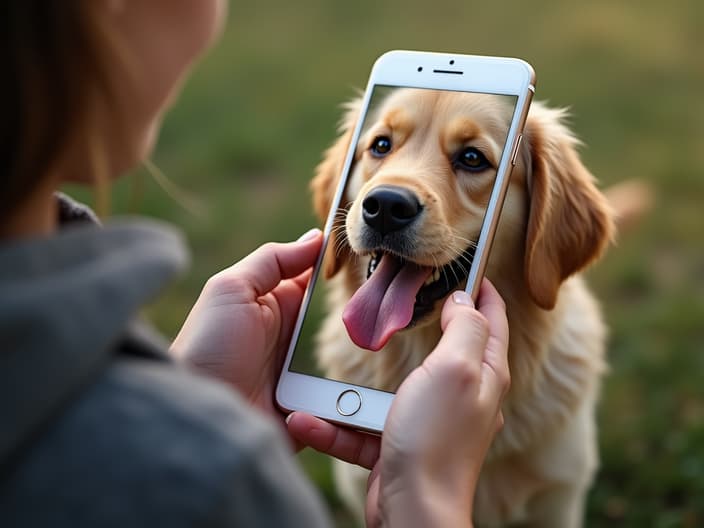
(98, 427)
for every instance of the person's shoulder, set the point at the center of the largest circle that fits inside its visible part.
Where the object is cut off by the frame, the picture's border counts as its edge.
(149, 443)
(157, 397)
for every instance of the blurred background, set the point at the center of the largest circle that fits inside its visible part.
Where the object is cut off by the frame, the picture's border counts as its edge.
(252, 122)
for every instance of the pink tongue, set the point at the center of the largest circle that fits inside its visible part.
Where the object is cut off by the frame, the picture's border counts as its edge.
(384, 303)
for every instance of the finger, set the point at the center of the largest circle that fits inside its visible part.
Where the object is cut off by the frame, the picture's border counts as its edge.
(490, 303)
(465, 330)
(303, 279)
(349, 446)
(295, 444)
(289, 295)
(264, 268)
(495, 360)
(499, 422)
(371, 509)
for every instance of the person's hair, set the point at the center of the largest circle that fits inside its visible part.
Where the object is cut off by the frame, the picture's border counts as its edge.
(53, 53)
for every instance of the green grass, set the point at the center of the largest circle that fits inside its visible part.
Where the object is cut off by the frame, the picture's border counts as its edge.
(257, 113)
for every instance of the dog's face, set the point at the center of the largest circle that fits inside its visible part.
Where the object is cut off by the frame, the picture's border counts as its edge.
(423, 175)
(423, 172)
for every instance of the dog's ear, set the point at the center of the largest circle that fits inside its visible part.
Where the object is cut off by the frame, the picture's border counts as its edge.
(325, 183)
(570, 222)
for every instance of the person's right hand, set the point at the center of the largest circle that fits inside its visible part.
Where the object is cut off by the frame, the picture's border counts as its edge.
(443, 419)
(440, 425)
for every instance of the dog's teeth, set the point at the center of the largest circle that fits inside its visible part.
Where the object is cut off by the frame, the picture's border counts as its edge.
(373, 263)
(433, 277)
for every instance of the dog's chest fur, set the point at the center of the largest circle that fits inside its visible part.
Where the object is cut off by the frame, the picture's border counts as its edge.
(556, 361)
(547, 447)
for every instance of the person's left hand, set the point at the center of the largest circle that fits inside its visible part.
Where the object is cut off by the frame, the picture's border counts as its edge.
(240, 327)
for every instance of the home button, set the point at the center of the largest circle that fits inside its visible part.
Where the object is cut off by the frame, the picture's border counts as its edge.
(349, 402)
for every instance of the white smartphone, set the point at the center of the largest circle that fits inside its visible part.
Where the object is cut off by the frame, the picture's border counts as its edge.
(413, 218)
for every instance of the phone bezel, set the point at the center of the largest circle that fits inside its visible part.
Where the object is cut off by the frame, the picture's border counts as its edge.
(412, 69)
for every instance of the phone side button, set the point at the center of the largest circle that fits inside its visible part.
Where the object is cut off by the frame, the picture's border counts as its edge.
(515, 149)
(349, 402)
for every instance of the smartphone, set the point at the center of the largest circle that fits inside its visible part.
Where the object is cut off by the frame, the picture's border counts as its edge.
(413, 218)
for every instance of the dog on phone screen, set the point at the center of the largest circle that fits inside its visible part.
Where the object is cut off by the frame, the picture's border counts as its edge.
(403, 239)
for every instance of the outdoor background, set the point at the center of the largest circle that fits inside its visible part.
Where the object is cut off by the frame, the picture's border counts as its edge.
(245, 136)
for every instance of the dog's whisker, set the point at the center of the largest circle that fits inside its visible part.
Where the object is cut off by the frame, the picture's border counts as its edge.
(460, 238)
(465, 242)
(463, 259)
(463, 270)
(340, 232)
(340, 246)
(436, 265)
(454, 273)
(341, 216)
(458, 254)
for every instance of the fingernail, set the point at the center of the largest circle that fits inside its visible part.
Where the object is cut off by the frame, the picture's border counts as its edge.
(288, 417)
(309, 235)
(462, 297)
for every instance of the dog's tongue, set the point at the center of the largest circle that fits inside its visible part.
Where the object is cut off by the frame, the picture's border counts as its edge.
(384, 303)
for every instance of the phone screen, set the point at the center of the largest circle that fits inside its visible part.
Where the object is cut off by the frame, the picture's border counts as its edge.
(404, 232)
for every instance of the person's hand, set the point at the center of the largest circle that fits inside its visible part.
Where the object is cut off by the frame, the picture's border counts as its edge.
(440, 425)
(239, 328)
(444, 417)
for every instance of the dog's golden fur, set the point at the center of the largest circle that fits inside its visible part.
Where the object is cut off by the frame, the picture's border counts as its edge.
(554, 223)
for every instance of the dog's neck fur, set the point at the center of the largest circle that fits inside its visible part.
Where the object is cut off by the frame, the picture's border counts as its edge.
(553, 375)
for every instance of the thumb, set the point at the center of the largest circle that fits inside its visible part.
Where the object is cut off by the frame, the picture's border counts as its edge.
(273, 262)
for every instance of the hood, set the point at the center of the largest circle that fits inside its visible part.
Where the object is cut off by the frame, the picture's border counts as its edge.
(65, 301)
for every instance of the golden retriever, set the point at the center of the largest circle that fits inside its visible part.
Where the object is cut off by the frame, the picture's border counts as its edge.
(554, 223)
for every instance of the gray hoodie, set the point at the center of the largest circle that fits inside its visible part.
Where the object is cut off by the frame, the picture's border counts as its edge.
(98, 427)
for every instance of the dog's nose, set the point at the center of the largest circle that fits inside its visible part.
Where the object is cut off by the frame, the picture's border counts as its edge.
(389, 208)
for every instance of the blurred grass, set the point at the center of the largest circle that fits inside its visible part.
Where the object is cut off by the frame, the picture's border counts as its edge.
(259, 110)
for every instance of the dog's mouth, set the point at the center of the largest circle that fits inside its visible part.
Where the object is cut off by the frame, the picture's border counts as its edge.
(398, 294)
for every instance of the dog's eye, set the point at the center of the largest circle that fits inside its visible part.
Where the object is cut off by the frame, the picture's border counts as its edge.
(381, 146)
(472, 160)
